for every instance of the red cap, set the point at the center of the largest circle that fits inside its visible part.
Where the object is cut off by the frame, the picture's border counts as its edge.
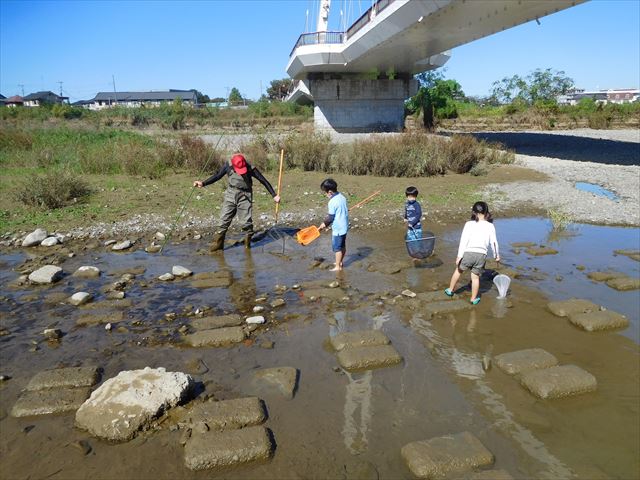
(239, 164)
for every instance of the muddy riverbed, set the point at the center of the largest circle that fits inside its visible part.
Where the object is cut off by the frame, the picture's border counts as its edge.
(339, 424)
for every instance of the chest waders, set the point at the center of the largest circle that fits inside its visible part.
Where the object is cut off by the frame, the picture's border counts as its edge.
(237, 199)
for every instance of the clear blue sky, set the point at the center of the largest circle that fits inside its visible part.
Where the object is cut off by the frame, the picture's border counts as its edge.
(215, 45)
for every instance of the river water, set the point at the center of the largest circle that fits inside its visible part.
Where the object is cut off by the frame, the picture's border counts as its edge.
(341, 425)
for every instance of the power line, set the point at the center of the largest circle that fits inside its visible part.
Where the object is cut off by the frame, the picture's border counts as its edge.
(21, 85)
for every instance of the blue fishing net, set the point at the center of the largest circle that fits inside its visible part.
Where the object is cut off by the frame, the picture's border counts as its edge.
(420, 244)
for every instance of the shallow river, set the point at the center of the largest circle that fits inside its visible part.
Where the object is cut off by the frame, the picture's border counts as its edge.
(339, 424)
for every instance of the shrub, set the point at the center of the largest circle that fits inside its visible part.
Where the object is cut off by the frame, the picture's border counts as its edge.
(52, 190)
(600, 119)
(559, 220)
(12, 139)
(308, 152)
(257, 151)
(194, 154)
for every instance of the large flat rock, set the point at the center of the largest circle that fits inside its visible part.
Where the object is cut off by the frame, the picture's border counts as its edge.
(46, 274)
(217, 337)
(525, 360)
(599, 320)
(370, 357)
(128, 402)
(211, 279)
(99, 318)
(603, 276)
(71, 377)
(444, 307)
(228, 414)
(282, 380)
(564, 308)
(491, 475)
(624, 283)
(220, 321)
(48, 401)
(441, 456)
(560, 381)
(358, 339)
(230, 448)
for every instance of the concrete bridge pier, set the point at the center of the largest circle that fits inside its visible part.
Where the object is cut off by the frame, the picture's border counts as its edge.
(352, 105)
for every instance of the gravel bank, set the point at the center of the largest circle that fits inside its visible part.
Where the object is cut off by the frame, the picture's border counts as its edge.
(560, 191)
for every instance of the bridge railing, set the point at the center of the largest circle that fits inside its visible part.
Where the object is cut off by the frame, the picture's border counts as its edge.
(367, 16)
(317, 38)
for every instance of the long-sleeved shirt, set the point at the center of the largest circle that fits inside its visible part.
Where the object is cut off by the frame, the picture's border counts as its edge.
(478, 237)
(251, 172)
(413, 213)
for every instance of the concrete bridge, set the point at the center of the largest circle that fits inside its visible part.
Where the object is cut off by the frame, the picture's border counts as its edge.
(359, 79)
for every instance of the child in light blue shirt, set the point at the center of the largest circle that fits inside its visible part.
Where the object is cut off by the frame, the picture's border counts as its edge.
(338, 218)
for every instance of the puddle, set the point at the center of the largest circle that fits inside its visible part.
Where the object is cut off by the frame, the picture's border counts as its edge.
(341, 421)
(597, 190)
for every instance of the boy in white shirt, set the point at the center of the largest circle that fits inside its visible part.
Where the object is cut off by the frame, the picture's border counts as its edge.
(477, 236)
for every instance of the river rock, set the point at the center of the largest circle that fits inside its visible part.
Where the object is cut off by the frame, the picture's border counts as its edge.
(256, 320)
(445, 307)
(128, 402)
(87, 271)
(34, 238)
(491, 475)
(358, 339)
(599, 320)
(226, 449)
(80, 298)
(603, 276)
(227, 414)
(559, 381)
(441, 456)
(258, 309)
(71, 377)
(525, 360)
(50, 242)
(49, 401)
(215, 338)
(565, 308)
(166, 277)
(624, 283)
(220, 321)
(281, 379)
(53, 334)
(408, 293)
(46, 274)
(180, 271)
(278, 302)
(211, 279)
(125, 244)
(153, 248)
(368, 357)
(541, 250)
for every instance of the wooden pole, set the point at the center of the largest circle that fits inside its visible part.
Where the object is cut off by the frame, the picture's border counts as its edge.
(279, 181)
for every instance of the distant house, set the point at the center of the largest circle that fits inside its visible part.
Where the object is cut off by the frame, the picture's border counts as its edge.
(2, 98)
(138, 99)
(15, 101)
(43, 98)
(624, 95)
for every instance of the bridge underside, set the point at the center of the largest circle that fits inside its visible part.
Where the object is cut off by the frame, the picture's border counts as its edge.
(372, 63)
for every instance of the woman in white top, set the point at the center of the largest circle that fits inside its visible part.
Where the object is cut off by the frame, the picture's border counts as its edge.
(477, 236)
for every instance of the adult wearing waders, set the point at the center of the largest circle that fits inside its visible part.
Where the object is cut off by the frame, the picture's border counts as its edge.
(238, 198)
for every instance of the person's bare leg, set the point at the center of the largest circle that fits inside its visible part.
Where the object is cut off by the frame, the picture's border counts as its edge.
(454, 279)
(475, 286)
(339, 257)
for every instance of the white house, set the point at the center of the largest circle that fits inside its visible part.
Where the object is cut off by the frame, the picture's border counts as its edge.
(137, 99)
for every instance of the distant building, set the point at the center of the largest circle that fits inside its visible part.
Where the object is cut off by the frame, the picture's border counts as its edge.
(624, 95)
(43, 98)
(15, 101)
(138, 99)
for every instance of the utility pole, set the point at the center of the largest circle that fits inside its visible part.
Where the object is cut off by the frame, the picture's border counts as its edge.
(21, 85)
(115, 95)
(60, 87)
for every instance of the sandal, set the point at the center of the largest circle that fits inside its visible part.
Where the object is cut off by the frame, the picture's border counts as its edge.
(448, 292)
(476, 301)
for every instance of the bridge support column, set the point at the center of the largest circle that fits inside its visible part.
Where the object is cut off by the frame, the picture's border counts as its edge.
(358, 106)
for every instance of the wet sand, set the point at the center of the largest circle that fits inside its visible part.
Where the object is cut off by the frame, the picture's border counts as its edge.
(340, 424)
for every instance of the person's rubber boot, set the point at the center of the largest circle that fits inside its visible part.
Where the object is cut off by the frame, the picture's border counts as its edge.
(217, 243)
(247, 240)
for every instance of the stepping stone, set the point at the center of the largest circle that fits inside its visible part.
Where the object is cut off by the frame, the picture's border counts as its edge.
(281, 379)
(440, 456)
(228, 414)
(216, 337)
(46, 274)
(491, 475)
(48, 401)
(560, 381)
(72, 377)
(98, 318)
(525, 360)
(572, 306)
(128, 402)
(358, 339)
(444, 307)
(538, 251)
(87, 271)
(600, 320)
(211, 280)
(624, 283)
(367, 358)
(231, 448)
(633, 254)
(603, 276)
(220, 321)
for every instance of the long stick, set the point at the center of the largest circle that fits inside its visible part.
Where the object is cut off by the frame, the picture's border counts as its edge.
(279, 181)
(359, 204)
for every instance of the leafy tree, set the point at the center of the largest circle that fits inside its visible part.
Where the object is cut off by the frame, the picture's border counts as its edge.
(201, 97)
(539, 86)
(279, 89)
(235, 98)
(436, 97)
(218, 100)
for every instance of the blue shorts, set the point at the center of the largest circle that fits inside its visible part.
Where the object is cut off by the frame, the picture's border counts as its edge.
(338, 242)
